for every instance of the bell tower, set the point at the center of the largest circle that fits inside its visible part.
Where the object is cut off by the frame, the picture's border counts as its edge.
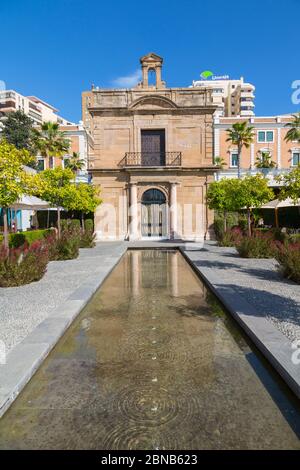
(151, 63)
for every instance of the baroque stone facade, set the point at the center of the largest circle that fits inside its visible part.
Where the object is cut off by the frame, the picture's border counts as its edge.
(152, 157)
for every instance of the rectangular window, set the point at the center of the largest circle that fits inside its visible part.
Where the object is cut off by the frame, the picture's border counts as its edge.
(265, 136)
(234, 160)
(40, 164)
(51, 162)
(296, 159)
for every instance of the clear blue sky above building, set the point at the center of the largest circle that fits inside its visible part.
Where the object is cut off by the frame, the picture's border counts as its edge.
(56, 49)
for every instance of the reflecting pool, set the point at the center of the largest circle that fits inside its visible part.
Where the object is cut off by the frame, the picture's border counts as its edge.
(153, 362)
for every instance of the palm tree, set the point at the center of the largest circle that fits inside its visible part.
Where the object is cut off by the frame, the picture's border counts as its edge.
(293, 134)
(49, 141)
(220, 162)
(240, 135)
(264, 160)
(75, 163)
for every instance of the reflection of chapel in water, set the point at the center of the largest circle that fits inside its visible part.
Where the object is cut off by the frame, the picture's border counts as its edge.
(160, 270)
(152, 157)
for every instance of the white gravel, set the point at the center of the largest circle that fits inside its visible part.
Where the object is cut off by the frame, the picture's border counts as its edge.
(260, 283)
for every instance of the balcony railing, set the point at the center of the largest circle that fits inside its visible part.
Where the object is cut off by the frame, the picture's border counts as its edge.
(144, 159)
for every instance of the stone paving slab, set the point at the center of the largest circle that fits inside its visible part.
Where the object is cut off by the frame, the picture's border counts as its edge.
(24, 359)
(276, 347)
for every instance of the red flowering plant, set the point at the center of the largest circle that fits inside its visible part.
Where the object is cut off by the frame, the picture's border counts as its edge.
(23, 265)
(259, 245)
(288, 256)
(232, 237)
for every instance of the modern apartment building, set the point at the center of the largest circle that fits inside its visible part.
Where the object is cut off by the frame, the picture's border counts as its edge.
(231, 97)
(269, 136)
(38, 110)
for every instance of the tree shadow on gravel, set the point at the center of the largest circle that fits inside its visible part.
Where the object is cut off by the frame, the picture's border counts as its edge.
(264, 303)
(264, 274)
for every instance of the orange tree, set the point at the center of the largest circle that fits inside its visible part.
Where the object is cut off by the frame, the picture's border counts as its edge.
(14, 181)
(223, 195)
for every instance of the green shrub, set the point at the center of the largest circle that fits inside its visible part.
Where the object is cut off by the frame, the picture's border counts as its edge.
(231, 237)
(243, 222)
(293, 238)
(279, 235)
(89, 224)
(219, 228)
(231, 218)
(67, 247)
(20, 238)
(23, 265)
(259, 245)
(87, 239)
(288, 256)
(72, 225)
(16, 239)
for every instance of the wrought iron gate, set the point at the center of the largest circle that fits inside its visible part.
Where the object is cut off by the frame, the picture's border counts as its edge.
(154, 214)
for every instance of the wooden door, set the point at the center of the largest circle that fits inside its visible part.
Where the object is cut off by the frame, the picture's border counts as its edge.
(153, 147)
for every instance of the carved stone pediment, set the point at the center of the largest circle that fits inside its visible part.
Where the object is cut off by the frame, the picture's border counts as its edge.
(151, 57)
(153, 102)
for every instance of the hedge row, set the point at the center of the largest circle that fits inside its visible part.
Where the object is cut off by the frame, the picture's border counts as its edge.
(19, 238)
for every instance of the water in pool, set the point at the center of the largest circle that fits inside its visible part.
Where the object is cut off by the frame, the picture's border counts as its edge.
(153, 362)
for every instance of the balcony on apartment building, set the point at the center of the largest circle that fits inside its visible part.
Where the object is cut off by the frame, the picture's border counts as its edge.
(151, 159)
(7, 106)
(247, 102)
(247, 94)
(7, 101)
(35, 112)
(269, 173)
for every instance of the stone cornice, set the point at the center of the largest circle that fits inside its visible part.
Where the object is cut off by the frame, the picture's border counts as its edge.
(129, 112)
(204, 168)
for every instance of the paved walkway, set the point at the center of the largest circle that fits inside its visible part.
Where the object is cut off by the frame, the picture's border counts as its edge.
(259, 282)
(23, 308)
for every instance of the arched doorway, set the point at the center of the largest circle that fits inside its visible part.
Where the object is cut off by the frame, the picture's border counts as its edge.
(154, 214)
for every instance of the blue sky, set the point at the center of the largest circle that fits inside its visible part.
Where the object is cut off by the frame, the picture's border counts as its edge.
(56, 49)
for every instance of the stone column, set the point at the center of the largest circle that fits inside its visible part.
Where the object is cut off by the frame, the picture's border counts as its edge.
(173, 211)
(279, 147)
(158, 76)
(145, 76)
(133, 212)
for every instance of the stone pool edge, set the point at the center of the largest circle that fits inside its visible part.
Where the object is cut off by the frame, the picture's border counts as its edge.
(25, 359)
(276, 348)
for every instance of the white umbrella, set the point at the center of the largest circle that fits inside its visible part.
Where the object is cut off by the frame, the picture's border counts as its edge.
(30, 203)
(277, 204)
